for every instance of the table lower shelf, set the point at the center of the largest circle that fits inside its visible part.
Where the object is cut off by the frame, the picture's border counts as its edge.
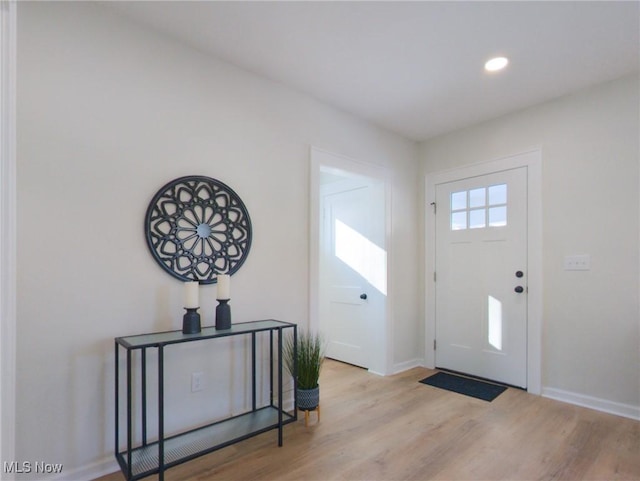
(191, 444)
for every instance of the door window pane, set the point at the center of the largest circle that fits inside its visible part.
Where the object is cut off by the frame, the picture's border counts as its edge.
(498, 194)
(477, 219)
(498, 216)
(477, 197)
(459, 200)
(459, 220)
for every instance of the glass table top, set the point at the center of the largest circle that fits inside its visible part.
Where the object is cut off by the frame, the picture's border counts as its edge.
(171, 337)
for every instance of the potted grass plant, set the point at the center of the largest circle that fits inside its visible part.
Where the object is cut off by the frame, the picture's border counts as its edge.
(308, 354)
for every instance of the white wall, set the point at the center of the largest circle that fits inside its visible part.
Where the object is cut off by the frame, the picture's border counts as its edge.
(107, 113)
(7, 228)
(590, 160)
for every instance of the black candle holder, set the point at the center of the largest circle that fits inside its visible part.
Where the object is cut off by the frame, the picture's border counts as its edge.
(223, 314)
(191, 321)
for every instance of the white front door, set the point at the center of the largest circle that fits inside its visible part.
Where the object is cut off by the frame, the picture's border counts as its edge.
(481, 276)
(352, 271)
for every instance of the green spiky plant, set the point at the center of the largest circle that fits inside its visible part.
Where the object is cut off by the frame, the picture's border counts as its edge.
(310, 356)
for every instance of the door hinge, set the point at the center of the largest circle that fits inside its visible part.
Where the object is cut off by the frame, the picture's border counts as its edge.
(434, 276)
(434, 207)
(434, 344)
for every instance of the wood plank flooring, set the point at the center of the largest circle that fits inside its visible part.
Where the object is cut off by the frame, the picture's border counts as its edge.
(394, 428)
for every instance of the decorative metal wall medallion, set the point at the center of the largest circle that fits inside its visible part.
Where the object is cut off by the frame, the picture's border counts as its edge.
(197, 227)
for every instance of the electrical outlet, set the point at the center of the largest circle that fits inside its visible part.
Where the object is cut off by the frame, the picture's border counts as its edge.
(577, 263)
(197, 381)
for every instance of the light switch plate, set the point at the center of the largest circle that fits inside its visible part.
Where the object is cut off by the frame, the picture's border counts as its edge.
(577, 263)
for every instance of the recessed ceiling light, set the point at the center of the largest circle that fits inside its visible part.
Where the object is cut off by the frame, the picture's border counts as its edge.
(495, 64)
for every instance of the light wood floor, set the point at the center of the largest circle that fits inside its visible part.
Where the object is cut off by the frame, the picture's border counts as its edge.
(394, 428)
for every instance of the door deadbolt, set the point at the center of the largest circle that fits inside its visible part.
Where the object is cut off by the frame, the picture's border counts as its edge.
(363, 297)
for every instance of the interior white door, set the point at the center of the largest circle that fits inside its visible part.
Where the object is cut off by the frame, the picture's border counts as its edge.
(352, 274)
(481, 276)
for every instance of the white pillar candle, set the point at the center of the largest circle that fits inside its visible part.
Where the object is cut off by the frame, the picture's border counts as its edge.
(191, 299)
(224, 286)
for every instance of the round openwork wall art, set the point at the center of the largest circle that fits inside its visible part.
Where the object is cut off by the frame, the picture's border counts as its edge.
(196, 228)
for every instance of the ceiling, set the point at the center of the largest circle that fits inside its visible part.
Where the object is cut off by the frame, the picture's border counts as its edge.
(415, 68)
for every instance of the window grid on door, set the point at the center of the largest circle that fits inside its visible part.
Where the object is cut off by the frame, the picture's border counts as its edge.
(479, 207)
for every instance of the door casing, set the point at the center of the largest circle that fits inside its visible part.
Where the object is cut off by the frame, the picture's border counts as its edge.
(532, 161)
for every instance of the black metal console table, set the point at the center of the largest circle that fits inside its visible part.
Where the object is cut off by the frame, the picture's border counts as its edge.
(155, 457)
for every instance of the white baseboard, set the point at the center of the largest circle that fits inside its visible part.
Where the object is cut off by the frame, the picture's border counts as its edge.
(604, 405)
(405, 366)
(376, 372)
(91, 471)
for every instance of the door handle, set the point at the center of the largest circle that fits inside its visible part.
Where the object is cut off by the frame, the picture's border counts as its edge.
(519, 289)
(363, 297)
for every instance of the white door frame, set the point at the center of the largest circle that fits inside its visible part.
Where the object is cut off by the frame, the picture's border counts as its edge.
(7, 230)
(381, 336)
(532, 160)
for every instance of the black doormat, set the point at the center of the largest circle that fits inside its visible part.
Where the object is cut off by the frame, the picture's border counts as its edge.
(462, 385)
